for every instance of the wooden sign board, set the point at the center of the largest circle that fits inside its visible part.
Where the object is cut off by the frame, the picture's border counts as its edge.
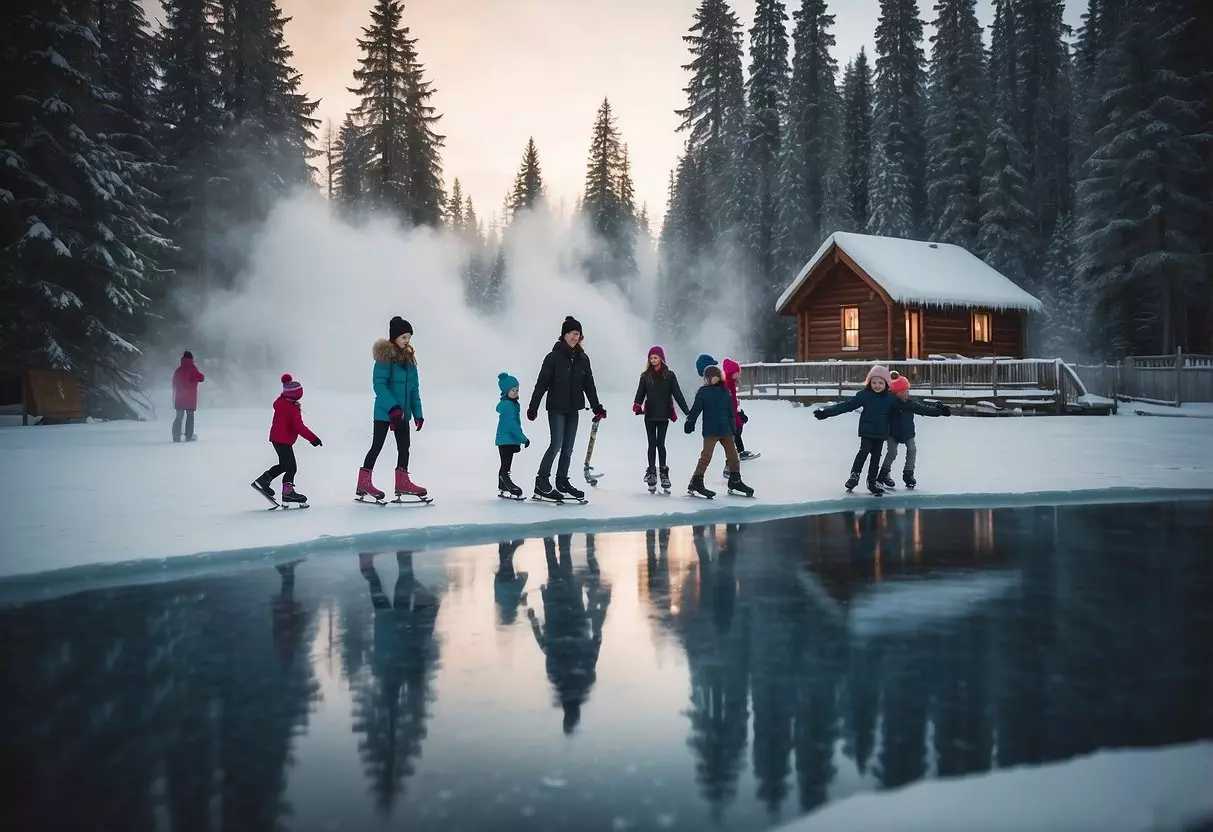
(53, 395)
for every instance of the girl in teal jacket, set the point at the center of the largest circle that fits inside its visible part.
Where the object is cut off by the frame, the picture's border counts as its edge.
(397, 400)
(510, 438)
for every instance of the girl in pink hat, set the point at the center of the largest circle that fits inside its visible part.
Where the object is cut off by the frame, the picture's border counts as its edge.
(656, 396)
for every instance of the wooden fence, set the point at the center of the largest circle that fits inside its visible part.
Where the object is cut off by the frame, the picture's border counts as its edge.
(1160, 379)
(1034, 383)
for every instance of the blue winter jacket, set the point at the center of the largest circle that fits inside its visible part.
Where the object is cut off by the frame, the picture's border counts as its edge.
(395, 382)
(901, 420)
(715, 403)
(877, 407)
(509, 422)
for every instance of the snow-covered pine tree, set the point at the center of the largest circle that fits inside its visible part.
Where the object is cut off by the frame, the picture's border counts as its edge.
(956, 124)
(528, 182)
(602, 204)
(1062, 323)
(1100, 25)
(898, 196)
(1042, 119)
(77, 239)
(269, 128)
(404, 167)
(453, 212)
(189, 126)
(686, 237)
(495, 293)
(623, 250)
(1144, 199)
(857, 137)
(767, 88)
(1006, 238)
(476, 268)
(351, 163)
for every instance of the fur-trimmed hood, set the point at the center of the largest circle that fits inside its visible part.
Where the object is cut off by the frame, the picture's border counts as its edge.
(386, 352)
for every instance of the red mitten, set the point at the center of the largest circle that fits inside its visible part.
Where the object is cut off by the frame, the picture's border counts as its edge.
(417, 423)
(673, 415)
(637, 409)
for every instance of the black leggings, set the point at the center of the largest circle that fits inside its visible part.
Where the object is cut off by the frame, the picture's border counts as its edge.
(379, 436)
(737, 437)
(867, 447)
(507, 458)
(286, 464)
(656, 432)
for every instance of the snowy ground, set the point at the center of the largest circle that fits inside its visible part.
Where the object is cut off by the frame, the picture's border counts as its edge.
(1112, 791)
(75, 495)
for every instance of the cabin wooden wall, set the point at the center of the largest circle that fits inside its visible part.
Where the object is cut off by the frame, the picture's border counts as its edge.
(948, 330)
(819, 326)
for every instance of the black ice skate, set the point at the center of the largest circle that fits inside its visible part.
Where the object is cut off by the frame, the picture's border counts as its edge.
(291, 497)
(544, 492)
(262, 487)
(852, 481)
(566, 488)
(886, 481)
(650, 479)
(696, 488)
(746, 455)
(909, 480)
(736, 486)
(665, 480)
(507, 489)
(874, 489)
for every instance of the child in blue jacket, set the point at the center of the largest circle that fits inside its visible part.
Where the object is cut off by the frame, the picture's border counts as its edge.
(901, 432)
(876, 403)
(510, 438)
(716, 405)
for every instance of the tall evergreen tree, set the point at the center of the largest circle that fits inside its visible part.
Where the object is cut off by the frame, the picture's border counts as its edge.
(686, 237)
(76, 238)
(454, 211)
(1006, 239)
(350, 153)
(956, 124)
(528, 182)
(1066, 312)
(857, 137)
(603, 204)
(898, 197)
(404, 172)
(328, 149)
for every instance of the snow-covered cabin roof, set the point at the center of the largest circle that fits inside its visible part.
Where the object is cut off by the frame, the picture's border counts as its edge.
(917, 272)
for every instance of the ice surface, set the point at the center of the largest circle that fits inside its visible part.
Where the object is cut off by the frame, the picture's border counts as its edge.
(933, 274)
(897, 606)
(75, 495)
(1112, 791)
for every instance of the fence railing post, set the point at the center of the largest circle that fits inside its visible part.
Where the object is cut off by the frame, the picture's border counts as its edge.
(994, 376)
(1179, 376)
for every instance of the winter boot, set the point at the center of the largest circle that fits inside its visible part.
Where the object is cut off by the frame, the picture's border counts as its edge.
(290, 495)
(262, 484)
(543, 489)
(696, 486)
(650, 478)
(852, 481)
(874, 488)
(665, 478)
(565, 487)
(886, 480)
(908, 478)
(736, 485)
(406, 487)
(365, 486)
(505, 485)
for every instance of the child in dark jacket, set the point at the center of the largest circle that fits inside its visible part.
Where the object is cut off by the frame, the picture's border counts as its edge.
(656, 396)
(716, 406)
(876, 403)
(901, 432)
(510, 438)
(286, 428)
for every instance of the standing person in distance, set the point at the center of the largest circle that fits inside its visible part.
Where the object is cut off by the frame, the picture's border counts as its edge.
(712, 401)
(510, 438)
(656, 396)
(186, 379)
(286, 428)
(568, 380)
(397, 400)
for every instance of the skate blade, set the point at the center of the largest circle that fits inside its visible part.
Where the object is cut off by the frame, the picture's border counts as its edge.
(412, 500)
(370, 501)
(536, 498)
(505, 495)
(733, 493)
(698, 496)
(288, 506)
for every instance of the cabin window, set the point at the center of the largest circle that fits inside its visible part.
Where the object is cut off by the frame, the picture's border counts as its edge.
(850, 327)
(981, 328)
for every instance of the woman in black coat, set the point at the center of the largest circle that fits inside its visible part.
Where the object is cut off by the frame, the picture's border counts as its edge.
(568, 380)
(659, 388)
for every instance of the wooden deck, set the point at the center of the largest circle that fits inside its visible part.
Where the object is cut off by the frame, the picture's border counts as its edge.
(979, 387)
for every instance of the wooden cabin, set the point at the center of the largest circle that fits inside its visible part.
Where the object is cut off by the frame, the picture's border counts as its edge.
(864, 297)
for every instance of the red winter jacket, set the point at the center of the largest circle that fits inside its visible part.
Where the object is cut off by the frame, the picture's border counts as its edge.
(728, 368)
(186, 379)
(288, 422)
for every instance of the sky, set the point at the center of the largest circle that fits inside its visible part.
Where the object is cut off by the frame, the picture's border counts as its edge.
(507, 70)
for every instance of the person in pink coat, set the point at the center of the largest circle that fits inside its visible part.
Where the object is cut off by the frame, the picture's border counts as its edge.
(186, 379)
(285, 430)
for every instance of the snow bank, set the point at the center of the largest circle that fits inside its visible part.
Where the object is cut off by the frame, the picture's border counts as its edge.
(80, 495)
(932, 274)
(1112, 791)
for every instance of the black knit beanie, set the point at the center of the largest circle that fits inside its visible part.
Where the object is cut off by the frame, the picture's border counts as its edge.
(570, 324)
(398, 326)
(188, 354)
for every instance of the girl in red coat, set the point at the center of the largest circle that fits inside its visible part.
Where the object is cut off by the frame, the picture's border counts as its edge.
(285, 429)
(186, 379)
(732, 375)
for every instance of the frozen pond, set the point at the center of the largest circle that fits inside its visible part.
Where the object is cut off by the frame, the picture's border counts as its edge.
(708, 677)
